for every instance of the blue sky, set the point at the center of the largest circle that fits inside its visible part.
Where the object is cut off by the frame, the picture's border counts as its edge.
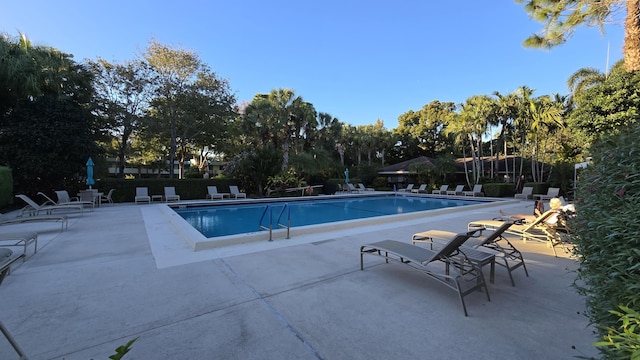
(357, 60)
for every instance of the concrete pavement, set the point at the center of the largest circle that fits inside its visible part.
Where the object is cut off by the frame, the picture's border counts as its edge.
(121, 272)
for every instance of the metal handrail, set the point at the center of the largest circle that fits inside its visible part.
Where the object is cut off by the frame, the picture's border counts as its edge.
(270, 228)
(278, 224)
(288, 226)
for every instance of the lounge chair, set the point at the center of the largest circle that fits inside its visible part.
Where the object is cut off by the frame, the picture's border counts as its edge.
(407, 189)
(352, 189)
(467, 277)
(170, 194)
(494, 241)
(65, 199)
(36, 218)
(551, 193)
(442, 191)
(21, 239)
(142, 195)
(233, 189)
(6, 259)
(361, 187)
(527, 193)
(542, 229)
(212, 193)
(457, 191)
(34, 209)
(476, 191)
(421, 189)
(107, 197)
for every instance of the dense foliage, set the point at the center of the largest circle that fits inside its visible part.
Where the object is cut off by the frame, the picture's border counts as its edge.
(47, 131)
(608, 235)
(6, 186)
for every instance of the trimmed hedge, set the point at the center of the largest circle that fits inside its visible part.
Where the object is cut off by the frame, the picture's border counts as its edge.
(498, 189)
(188, 189)
(6, 186)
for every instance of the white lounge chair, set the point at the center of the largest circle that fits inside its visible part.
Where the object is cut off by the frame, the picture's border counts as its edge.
(361, 187)
(421, 189)
(477, 191)
(34, 209)
(36, 218)
(64, 198)
(352, 188)
(233, 189)
(457, 191)
(551, 193)
(170, 194)
(142, 195)
(407, 189)
(527, 193)
(21, 239)
(442, 191)
(212, 193)
(108, 196)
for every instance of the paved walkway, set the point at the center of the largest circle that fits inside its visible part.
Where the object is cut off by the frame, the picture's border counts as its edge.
(120, 272)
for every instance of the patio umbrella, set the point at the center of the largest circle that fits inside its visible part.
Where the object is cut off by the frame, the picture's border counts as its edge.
(90, 180)
(346, 176)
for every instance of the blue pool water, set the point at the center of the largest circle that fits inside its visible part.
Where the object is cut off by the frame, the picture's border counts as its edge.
(221, 220)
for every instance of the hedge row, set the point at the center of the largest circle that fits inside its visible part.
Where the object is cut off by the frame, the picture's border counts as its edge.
(6, 187)
(188, 189)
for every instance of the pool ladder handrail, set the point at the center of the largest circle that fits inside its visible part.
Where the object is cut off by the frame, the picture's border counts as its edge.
(278, 224)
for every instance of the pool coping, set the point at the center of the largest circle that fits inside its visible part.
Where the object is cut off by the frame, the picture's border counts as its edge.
(197, 241)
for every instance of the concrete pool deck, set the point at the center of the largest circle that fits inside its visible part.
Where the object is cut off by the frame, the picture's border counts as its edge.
(121, 272)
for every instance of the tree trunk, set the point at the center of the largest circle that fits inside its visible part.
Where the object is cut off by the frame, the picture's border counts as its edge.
(632, 36)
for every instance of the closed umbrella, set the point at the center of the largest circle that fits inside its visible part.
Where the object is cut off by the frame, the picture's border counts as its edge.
(346, 176)
(90, 180)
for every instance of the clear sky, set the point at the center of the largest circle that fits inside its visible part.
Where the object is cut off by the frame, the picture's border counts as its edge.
(358, 60)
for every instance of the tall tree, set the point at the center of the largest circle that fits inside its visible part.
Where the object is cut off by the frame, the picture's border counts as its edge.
(561, 18)
(176, 69)
(426, 124)
(122, 95)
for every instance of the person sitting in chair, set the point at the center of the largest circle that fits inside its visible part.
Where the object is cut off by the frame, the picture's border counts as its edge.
(554, 204)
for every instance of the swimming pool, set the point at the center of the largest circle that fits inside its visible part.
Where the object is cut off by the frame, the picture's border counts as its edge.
(241, 218)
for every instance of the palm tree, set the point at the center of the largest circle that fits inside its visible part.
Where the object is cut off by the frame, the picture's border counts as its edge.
(560, 19)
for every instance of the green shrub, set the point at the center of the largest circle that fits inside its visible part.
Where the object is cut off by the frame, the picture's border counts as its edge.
(498, 189)
(188, 189)
(607, 237)
(6, 186)
(380, 183)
